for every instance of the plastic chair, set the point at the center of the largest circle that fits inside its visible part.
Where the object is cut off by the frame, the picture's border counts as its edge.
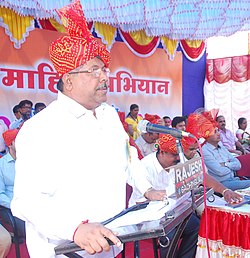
(244, 172)
(8, 221)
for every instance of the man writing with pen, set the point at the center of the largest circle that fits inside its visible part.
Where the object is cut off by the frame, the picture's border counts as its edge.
(155, 164)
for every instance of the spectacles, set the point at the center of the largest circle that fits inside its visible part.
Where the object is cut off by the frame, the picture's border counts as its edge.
(96, 72)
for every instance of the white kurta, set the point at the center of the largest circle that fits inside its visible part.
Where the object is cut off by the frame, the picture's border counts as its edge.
(159, 178)
(71, 166)
(145, 148)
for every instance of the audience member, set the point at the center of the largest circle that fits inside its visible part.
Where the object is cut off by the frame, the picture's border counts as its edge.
(179, 122)
(146, 142)
(5, 242)
(126, 127)
(167, 121)
(133, 119)
(190, 147)
(7, 175)
(221, 164)
(17, 114)
(39, 106)
(62, 197)
(219, 161)
(25, 111)
(228, 139)
(242, 135)
(7, 168)
(3, 128)
(156, 164)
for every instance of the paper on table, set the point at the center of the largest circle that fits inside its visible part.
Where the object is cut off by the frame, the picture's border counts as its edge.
(220, 203)
(154, 211)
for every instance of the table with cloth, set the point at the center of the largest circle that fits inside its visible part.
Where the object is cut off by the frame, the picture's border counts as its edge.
(228, 230)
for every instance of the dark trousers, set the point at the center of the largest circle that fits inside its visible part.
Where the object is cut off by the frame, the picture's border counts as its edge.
(20, 227)
(189, 237)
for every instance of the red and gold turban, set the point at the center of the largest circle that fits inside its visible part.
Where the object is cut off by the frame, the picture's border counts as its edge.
(75, 49)
(9, 136)
(201, 125)
(167, 143)
(153, 119)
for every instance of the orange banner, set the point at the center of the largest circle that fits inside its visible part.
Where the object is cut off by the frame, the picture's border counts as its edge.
(154, 83)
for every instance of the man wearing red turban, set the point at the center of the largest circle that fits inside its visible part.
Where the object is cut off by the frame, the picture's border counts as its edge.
(221, 164)
(63, 197)
(157, 164)
(7, 175)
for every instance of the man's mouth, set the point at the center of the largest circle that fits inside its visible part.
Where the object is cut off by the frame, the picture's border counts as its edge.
(102, 86)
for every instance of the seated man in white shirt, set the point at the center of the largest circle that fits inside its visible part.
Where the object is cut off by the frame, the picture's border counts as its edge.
(146, 142)
(156, 164)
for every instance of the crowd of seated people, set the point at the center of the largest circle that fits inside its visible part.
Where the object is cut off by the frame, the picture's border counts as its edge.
(229, 139)
(241, 133)
(218, 149)
(22, 112)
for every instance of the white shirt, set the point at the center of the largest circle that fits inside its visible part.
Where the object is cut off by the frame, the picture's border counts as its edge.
(71, 166)
(159, 178)
(145, 148)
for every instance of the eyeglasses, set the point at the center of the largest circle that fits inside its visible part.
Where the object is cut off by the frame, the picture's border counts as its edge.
(96, 72)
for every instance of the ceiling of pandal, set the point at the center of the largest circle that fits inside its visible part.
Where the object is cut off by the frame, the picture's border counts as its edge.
(175, 19)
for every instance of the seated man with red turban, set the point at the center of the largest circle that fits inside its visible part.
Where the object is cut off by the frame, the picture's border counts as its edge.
(7, 175)
(156, 164)
(221, 164)
(7, 168)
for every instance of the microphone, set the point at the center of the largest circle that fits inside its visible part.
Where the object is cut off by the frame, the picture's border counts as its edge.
(145, 126)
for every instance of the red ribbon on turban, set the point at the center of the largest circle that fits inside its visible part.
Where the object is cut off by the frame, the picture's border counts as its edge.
(9, 136)
(201, 125)
(71, 51)
(153, 119)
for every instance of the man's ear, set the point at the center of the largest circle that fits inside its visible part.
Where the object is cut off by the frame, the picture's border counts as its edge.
(67, 82)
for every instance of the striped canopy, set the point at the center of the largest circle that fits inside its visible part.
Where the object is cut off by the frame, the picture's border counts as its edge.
(175, 19)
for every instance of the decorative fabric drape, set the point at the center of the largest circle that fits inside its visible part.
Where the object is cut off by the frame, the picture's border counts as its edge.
(227, 87)
(228, 234)
(17, 28)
